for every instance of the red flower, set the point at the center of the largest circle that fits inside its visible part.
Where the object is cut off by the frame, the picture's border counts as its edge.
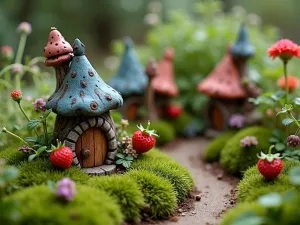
(16, 95)
(285, 49)
(292, 83)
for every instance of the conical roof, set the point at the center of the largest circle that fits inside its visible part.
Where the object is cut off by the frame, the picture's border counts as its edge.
(224, 81)
(57, 50)
(242, 47)
(130, 78)
(83, 92)
(164, 82)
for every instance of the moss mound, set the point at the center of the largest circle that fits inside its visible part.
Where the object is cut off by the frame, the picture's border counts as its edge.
(180, 123)
(213, 149)
(235, 213)
(158, 193)
(125, 191)
(39, 206)
(40, 171)
(165, 131)
(236, 159)
(12, 156)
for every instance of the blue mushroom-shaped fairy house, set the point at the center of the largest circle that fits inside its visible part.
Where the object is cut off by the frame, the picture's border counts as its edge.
(228, 85)
(82, 104)
(131, 81)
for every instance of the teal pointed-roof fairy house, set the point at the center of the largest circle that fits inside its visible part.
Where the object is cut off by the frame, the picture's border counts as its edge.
(130, 80)
(82, 104)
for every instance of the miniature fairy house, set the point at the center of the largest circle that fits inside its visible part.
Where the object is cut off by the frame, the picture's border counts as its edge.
(225, 83)
(82, 104)
(163, 84)
(131, 81)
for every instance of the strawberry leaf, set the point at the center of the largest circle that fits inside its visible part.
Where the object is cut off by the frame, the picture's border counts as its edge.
(32, 124)
(120, 161)
(31, 157)
(287, 121)
(120, 155)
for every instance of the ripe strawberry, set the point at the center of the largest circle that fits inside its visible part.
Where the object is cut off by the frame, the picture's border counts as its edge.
(143, 139)
(174, 111)
(269, 165)
(61, 156)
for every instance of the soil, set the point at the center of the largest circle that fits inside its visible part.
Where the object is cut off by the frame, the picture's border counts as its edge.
(217, 190)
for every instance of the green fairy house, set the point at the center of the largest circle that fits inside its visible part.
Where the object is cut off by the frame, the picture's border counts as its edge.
(82, 104)
(131, 81)
(226, 85)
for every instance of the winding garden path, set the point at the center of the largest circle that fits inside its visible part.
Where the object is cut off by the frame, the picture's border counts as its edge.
(216, 189)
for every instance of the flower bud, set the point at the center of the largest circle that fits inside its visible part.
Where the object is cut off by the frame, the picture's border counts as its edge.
(16, 95)
(7, 52)
(293, 141)
(25, 28)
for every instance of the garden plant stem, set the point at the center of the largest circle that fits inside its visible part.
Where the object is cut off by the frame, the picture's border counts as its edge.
(45, 130)
(24, 113)
(21, 48)
(286, 81)
(297, 123)
(17, 137)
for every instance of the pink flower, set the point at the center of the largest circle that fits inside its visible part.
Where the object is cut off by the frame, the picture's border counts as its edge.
(236, 121)
(7, 52)
(16, 69)
(25, 28)
(66, 189)
(248, 141)
(39, 105)
(285, 49)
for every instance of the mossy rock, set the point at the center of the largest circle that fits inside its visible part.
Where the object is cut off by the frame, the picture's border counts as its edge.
(213, 149)
(167, 168)
(180, 123)
(125, 191)
(235, 213)
(39, 206)
(165, 131)
(157, 191)
(235, 159)
(39, 171)
(12, 156)
(253, 184)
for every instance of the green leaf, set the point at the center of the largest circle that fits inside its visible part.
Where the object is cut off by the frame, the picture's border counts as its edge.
(127, 164)
(273, 140)
(30, 139)
(32, 124)
(294, 175)
(278, 95)
(288, 107)
(297, 101)
(270, 200)
(248, 218)
(277, 133)
(129, 158)
(121, 155)
(40, 150)
(280, 146)
(120, 161)
(31, 157)
(281, 112)
(287, 121)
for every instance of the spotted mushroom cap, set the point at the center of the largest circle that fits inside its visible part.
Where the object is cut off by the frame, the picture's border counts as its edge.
(57, 50)
(242, 47)
(130, 78)
(83, 92)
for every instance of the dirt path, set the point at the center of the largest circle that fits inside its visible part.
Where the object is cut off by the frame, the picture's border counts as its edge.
(216, 189)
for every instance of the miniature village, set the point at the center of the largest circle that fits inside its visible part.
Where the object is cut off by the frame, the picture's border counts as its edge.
(153, 141)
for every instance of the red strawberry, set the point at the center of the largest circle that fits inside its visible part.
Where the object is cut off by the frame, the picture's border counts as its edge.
(143, 139)
(269, 165)
(61, 156)
(174, 111)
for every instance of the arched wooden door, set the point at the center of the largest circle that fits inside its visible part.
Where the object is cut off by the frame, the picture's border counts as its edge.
(132, 111)
(217, 118)
(91, 148)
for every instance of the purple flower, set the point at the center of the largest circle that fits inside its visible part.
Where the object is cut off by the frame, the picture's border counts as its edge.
(39, 105)
(25, 149)
(66, 189)
(236, 121)
(24, 27)
(248, 141)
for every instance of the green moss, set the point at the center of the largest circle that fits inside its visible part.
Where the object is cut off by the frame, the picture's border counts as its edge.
(89, 207)
(39, 171)
(213, 149)
(158, 192)
(165, 131)
(178, 177)
(254, 185)
(12, 156)
(180, 123)
(236, 159)
(125, 191)
(235, 213)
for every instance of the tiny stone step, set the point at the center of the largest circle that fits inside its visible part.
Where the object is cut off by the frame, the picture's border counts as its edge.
(100, 170)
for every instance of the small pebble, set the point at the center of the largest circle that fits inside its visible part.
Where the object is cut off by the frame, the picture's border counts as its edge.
(180, 210)
(220, 176)
(198, 198)
(183, 214)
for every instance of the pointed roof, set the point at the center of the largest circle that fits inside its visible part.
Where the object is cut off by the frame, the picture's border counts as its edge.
(224, 81)
(130, 78)
(57, 50)
(83, 92)
(164, 82)
(242, 47)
